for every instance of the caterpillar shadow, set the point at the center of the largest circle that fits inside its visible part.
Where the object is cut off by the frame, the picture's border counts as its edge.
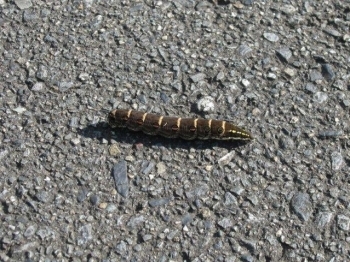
(103, 131)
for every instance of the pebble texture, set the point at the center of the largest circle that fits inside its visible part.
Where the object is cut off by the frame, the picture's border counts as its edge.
(278, 68)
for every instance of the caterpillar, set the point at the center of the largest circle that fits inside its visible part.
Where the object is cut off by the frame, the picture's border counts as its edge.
(172, 127)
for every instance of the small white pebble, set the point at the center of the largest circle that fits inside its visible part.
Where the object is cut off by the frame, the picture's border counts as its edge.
(19, 110)
(245, 82)
(206, 104)
(271, 76)
(75, 141)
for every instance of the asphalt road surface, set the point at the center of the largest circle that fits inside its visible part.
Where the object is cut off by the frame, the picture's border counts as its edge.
(74, 189)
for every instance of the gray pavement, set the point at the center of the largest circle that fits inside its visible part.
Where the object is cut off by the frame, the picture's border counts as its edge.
(73, 189)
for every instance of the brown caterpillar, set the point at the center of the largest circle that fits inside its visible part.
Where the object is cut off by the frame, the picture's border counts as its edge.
(172, 127)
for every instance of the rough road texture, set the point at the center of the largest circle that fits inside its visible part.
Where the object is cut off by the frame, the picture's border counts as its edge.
(278, 68)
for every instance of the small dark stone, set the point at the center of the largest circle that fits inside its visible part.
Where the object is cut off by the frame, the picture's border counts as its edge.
(198, 77)
(315, 75)
(43, 196)
(266, 61)
(225, 223)
(39, 86)
(302, 206)
(42, 73)
(247, 258)
(177, 86)
(51, 40)
(64, 86)
(121, 248)
(45, 232)
(184, 3)
(220, 76)
(320, 97)
(328, 72)
(230, 199)
(85, 234)
(96, 21)
(343, 222)
(135, 220)
(23, 4)
(158, 202)
(143, 99)
(94, 199)
(147, 237)
(340, 85)
(197, 192)
(333, 32)
(284, 53)
(148, 168)
(297, 64)
(323, 219)
(249, 244)
(288, 9)
(320, 59)
(248, 2)
(316, 236)
(237, 190)
(218, 245)
(244, 50)
(172, 234)
(82, 193)
(286, 143)
(186, 219)
(202, 5)
(346, 102)
(337, 160)
(253, 199)
(29, 16)
(330, 133)
(198, 203)
(120, 176)
(45, 12)
(164, 97)
(73, 122)
(163, 54)
(30, 231)
(208, 225)
(271, 37)
(311, 88)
